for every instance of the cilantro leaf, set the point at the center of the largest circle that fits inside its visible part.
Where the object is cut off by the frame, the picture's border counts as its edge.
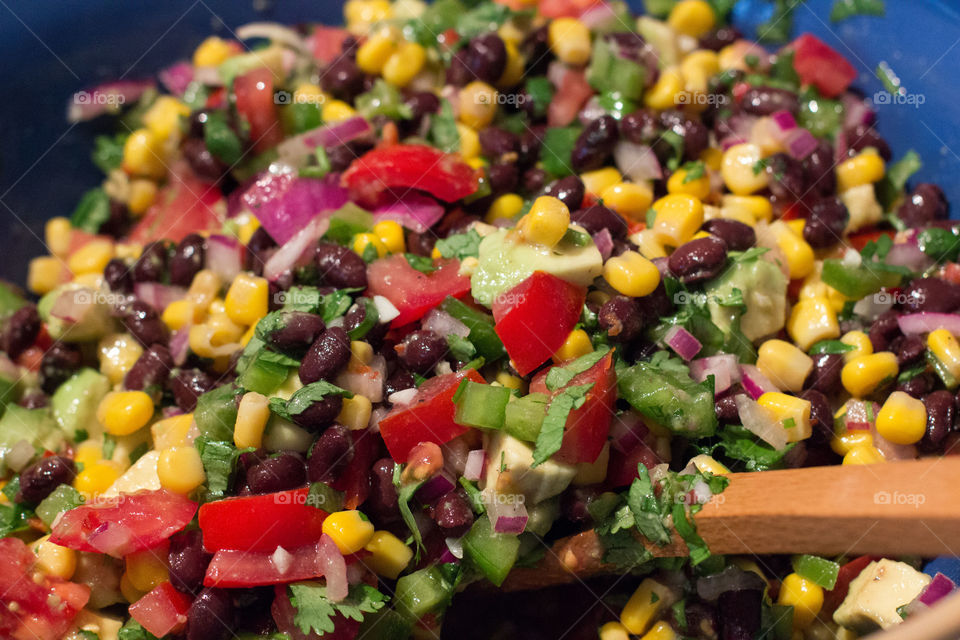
(92, 211)
(219, 460)
(695, 544)
(405, 493)
(443, 131)
(559, 377)
(645, 508)
(461, 348)
(423, 264)
(108, 151)
(831, 346)
(315, 610)
(304, 397)
(460, 245)
(551, 431)
(694, 171)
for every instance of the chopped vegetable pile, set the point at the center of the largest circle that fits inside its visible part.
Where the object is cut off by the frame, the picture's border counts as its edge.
(360, 317)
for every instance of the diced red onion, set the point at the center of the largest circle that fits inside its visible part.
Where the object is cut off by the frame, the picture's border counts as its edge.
(761, 422)
(295, 150)
(284, 203)
(800, 143)
(298, 250)
(908, 254)
(157, 295)
(177, 77)
(334, 568)
(731, 141)
(857, 416)
(476, 461)
(739, 125)
(784, 120)
(19, 455)
(722, 367)
(891, 451)
(109, 537)
(224, 256)
(604, 242)
(169, 412)
(627, 431)
(598, 16)
(507, 512)
(388, 312)
(455, 546)
(447, 557)
(366, 381)
(180, 345)
(873, 306)
(109, 97)
(637, 161)
(413, 210)
(275, 33)
(754, 382)
(209, 76)
(444, 324)
(402, 397)
(683, 342)
(856, 111)
(8, 369)
(436, 487)
(927, 321)
(455, 454)
(939, 587)
(72, 305)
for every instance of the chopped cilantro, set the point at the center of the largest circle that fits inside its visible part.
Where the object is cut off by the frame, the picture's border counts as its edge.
(551, 431)
(405, 493)
(109, 446)
(92, 211)
(219, 460)
(443, 131)
(315, 610)
(694, 171)
(306, 396)
(831, 346)
(108, 151)
(559, 377)
(423, 264)
(461, 348)
(460, 245)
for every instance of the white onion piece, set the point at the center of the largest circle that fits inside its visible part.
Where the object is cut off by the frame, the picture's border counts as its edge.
(402, 397)
(476, 461)
(444, 324)
(386, 309)
(19, 455)
(281, 559)
(334, 568)
(455, 545)
(760, 422)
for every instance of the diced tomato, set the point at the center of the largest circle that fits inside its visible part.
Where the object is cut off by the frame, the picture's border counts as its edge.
(355, 479)
(587, 427)
(217, 98)
(564, 8)
(951, 272)
(284, 613)
(410, 166)
(573, 92)
(133, 522)
(261, 522)
(534, 318)
(848, 571)
(622, 469)
(255, 103)
(32, 609)
(186, 205)
(31, 358)
(862, 238)
(327, 42)
(822, 66)
(428, 418)
(230, 568)
(413, 292)
(162, 611)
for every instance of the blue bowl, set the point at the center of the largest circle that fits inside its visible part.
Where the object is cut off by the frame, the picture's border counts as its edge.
(52, 48)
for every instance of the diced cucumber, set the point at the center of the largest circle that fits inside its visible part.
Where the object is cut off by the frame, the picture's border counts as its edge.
(75, 402)
(480, 405)
(385, 624)
(36, 426)
(63, 498)
(421, 592)
(525, 415)
(216, 413)
(494, 554)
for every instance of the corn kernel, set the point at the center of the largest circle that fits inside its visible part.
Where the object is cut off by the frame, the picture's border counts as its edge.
(163, 116)
(360, 14)
(373, 54)
(390, 234)
(349, 530)
(45, 273)
(124, 412)
(805, 596)
(546, 222)
(570, 41)
(946, 349)
(57, 234)
(667, 92)
(404, 65)
(864, 375)
(812, 320)
(861, 343)
(712, 157)
(97, 477)
(388, 554)
(865, 168)
(91, 257)
(143, 154)
(791, 411)
(118, 352)
(631, 274)
(143, 193)
(510, 381)
(148, 568)
(355, 412)
(513, 71)
(212, 52)
(363, 240)
(54, 560)
(599, 180)
(614, 631)
(181, 313)
(758, 207)
(692, 17)
(697, 68)
(660, 631)
(629, 199)
(307, 93)
(180, 469)
(469, 142)
(678, 217)
(247, 336)
(223, 330)
(644, 606)
(845, 442)
(707, 464)
(128, 591)
(740, 169)
(902, 419)
(799, 254)
(648, 245)
(88, 453)
(361, 355)
(863, 454)
(505, 207)
(577, 344)
(784, 364)
(337, 111)
(478, 104)
(682, 182)
(204, 289)
(172, 431)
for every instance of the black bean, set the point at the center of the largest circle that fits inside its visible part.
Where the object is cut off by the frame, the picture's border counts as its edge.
(343, 79)
(143, 323)
(699, 620)
(528, 150)
(187, 260)
(883, 330)
(33, 399)
(485, 58)
(118, 220)
(925, 204)
(931, 294)
(941, 413)
(382, 502)
(40, 479)
(739, 614)
(503, 177)
(458, 72)
(622, 318)
(534, 180)
(863, 136)
(910, 350)
(152, 263)
(399, 380)
(279, 473)
(422, 104)
(187, 561)
(726, 409)
(452, 511)
(825, 376)
(597, 218)
(818, 170)
(719, 38)
(762, 101)
(786, 177)
(420, 244)
(340, 267)
(341, 156)
(737, 235)
(23, 326)
(59, 362)
(118, 277)
(211, 616)
(299, 330)
(330, 455)
(421, 350)
(595, 144)
(203, 163)
(695, 135)
(260, 242)
(568, 190)
(326, 357)
(640, 127)
(657, 304)
(151, 369)
(699, 259)
(917, 386)
(536, 52)
(820, 416)
(187, 385)
(825, 225)
(496, 142)
(320, 413)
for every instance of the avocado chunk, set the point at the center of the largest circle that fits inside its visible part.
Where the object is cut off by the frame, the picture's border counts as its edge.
(75, 402)
(510, 471)
(11, 299)
(876, 594)
(505, 260)
(76, 313)
(36, 426)
(764, 290)
(9, 383)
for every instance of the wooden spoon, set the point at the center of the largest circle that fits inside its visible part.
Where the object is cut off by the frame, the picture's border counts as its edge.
(890, 509)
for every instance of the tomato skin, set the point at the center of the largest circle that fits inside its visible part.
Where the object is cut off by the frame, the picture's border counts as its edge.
(327, 42)
(822, 66)
(134, 522)
(355, 479)
(185, 205)
(573, 92)
(261, 522)
(622, 469)
(233, 569)
(834, 597)
(428, 418)
(534, 318)
(587, 428)
(410, 166)
(414, 293)
(862, 238)
(255, 103)
(162, 611)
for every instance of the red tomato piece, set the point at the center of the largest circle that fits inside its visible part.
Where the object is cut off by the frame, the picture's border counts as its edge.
(327, 42)
(622, 469)
(231, 568)
(428, 418)
(186, 205)
(587, 427)
(133, 522)
(862, 238)
(261, 522)
(848, 571)
(355, 479)
(255, 103)
(410, 166)
(534, 318)
(573, 92)
(413, 292)
(162, 611)
(822, 66)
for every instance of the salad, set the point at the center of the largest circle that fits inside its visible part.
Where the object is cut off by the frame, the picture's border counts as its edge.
(363, 318)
